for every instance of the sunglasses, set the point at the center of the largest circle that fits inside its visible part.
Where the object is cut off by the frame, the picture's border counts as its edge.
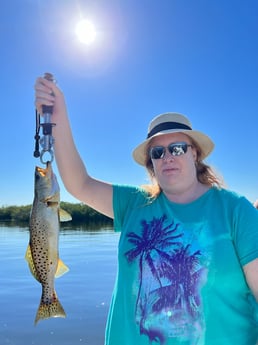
(175, 149)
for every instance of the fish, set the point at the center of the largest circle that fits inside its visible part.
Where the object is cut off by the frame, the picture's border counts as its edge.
(42, 253)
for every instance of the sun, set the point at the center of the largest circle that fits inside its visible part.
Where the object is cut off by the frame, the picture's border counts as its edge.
(85, 31)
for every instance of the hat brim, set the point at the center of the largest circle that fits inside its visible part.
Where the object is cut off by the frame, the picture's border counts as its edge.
(204, 142)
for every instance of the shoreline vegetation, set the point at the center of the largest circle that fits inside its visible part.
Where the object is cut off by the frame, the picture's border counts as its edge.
(81, 214)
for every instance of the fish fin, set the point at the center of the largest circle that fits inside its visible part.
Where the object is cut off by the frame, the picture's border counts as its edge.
(29, 259)
(61, 269)
(64, 216)
(50, 309)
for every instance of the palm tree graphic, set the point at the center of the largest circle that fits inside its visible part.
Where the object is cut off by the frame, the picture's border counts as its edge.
(175, 271)
(183, 271)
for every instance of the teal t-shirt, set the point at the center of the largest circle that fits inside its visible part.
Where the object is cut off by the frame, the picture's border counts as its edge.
(180, 277)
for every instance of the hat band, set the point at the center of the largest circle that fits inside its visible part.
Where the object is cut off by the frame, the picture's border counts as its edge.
(165, 126)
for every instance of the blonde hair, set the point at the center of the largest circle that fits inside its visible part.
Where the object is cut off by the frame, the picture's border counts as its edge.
(204, 173)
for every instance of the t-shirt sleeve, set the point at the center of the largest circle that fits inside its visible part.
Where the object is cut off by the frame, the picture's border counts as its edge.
(246, 231)
(125, 199)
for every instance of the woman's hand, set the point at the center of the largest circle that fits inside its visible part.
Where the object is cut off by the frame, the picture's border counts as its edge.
(48, 93)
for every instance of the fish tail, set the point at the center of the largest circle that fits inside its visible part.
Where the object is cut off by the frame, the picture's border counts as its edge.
(52, 308)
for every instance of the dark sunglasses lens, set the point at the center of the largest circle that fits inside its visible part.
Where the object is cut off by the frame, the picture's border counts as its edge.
(177, 149)
(157, 152)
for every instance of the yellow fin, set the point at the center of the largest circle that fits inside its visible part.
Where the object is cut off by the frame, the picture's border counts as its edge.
(64, 216)
(29, 259)
(61, 269)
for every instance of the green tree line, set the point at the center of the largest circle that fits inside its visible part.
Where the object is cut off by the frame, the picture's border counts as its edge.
(80, 214)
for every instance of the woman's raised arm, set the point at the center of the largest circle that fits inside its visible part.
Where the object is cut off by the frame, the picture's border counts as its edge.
(78, 182)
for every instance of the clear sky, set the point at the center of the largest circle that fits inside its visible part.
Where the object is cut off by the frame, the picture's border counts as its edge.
(197, 57)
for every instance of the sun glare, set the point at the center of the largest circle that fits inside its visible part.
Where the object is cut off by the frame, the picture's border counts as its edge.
(85, 31)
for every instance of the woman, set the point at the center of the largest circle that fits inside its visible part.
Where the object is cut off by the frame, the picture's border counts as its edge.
(188, 251)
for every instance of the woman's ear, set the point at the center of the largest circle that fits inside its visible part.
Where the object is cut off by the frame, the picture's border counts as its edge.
(195, 155)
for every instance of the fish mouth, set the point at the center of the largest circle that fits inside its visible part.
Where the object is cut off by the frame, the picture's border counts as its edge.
(47, 184)
(41, 171)
(44, 171)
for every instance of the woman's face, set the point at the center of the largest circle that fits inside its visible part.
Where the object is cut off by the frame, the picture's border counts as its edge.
(175, 173)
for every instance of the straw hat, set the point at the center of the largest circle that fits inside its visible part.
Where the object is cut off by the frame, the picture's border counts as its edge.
(172, 123)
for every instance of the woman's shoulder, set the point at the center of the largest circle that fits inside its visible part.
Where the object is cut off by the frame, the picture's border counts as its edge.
(230, 196)
(130, 192)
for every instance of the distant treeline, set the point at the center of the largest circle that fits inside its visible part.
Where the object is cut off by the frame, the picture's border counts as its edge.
(80, 214)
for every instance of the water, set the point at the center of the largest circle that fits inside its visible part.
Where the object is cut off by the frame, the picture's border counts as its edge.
(85, 291)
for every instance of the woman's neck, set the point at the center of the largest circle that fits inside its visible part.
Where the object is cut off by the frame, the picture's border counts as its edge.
(188, 195)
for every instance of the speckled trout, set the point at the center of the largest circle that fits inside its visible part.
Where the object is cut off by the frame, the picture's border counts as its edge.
(42, 253)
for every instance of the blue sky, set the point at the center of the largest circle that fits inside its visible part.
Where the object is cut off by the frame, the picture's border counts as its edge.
(197, 57)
